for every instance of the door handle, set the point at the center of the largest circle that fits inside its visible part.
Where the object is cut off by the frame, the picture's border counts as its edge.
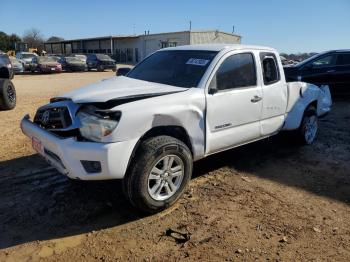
(255, 99)
(330, 71)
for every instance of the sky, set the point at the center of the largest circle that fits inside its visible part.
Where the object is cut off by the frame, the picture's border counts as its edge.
(289, 26)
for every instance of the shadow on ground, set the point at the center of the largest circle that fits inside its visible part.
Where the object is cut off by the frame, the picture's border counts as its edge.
(37, 203)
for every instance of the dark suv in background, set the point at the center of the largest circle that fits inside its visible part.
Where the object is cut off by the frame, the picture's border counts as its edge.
(7, 89)
(329, 68)
(100, 62)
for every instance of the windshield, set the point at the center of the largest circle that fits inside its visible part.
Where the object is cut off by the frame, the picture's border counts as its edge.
(182, 68)
(73, 60)
(80, 56)
(44, 59)
(28, 55)
(104, 57)
(56, 58)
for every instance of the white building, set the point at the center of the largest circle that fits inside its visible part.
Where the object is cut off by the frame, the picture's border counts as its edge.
(132, 49)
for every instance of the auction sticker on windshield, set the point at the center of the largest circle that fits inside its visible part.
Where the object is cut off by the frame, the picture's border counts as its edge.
(197, 62)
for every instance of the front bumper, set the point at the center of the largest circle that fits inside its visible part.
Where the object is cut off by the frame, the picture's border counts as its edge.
(109, 66)
(51, 69)
(76, 68)
(65, 154)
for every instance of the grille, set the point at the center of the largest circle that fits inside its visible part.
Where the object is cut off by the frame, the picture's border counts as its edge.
(53, 118)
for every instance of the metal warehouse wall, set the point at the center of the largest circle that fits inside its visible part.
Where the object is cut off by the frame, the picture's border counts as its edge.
(132, 49)
(214, 37)
(152, 43)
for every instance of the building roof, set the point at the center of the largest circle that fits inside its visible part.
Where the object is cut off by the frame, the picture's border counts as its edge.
(93, 38)
(136, 36)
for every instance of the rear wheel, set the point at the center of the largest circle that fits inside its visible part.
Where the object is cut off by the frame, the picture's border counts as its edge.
(7, 95)
(159, 174)
(308, 130)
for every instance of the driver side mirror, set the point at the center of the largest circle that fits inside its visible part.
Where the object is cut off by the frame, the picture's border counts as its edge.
(123, 71)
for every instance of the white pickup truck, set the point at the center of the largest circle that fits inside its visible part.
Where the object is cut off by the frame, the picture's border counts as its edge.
(177, 106)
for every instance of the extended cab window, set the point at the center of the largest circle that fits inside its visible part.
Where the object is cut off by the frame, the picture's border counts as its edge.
(270, 68)
(236, 71)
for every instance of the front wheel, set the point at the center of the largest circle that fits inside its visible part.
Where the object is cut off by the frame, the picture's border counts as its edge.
(100, 68)
(309, 126)
(159, 174)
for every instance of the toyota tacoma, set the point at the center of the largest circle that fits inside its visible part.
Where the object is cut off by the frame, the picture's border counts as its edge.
(177, 106)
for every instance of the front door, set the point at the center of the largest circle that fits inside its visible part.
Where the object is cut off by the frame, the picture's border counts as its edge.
(234, 103)
(319, 71)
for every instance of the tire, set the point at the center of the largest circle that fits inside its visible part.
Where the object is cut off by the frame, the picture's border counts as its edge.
(308, 129)
(147, 174)
(7, 95)
(100, 68)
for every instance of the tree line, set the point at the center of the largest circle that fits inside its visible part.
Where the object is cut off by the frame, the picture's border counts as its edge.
(298, 56)
(33, 38)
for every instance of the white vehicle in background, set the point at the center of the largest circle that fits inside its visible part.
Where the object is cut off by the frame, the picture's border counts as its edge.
(177, 106)
(79, 56)
(26, 58)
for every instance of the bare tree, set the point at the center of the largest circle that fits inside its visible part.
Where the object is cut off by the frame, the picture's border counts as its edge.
(34, 38)
(55, 39)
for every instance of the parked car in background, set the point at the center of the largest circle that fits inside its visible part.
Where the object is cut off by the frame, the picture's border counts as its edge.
(44, 64)
(79, 56)
(72, 64)
(26, 58)
(17, 65)
(100, 62)
(177, 106)
(7, 89)
(329, 68)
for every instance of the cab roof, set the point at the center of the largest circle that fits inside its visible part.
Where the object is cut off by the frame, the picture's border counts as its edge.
(219, 47)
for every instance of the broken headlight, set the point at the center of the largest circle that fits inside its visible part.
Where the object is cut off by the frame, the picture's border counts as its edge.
(98, 124)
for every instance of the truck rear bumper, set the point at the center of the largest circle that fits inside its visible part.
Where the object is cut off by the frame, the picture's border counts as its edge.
(66, 154)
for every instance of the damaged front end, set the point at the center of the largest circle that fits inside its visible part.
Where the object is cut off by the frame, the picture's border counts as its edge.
(64, 118)
(59, 118)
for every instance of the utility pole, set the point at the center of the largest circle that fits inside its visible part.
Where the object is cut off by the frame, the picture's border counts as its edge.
(233, 29)
(190, 25)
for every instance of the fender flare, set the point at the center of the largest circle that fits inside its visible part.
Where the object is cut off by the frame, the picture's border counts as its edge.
(295, 116)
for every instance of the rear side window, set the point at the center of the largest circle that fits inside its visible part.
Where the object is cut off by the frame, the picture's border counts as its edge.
(236, 71)
(343, 59)
(270, 68)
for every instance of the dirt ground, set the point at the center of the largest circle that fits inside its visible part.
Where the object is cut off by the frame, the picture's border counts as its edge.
(271, 200)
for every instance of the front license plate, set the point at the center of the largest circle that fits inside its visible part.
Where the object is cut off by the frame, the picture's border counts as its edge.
(53, 69)
(37, 145)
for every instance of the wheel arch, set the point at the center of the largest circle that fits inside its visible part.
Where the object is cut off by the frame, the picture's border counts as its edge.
(4, 73)
(175, 131)
(295, 116)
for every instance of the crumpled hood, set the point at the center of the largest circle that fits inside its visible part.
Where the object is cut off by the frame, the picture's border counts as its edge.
(118, 87)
